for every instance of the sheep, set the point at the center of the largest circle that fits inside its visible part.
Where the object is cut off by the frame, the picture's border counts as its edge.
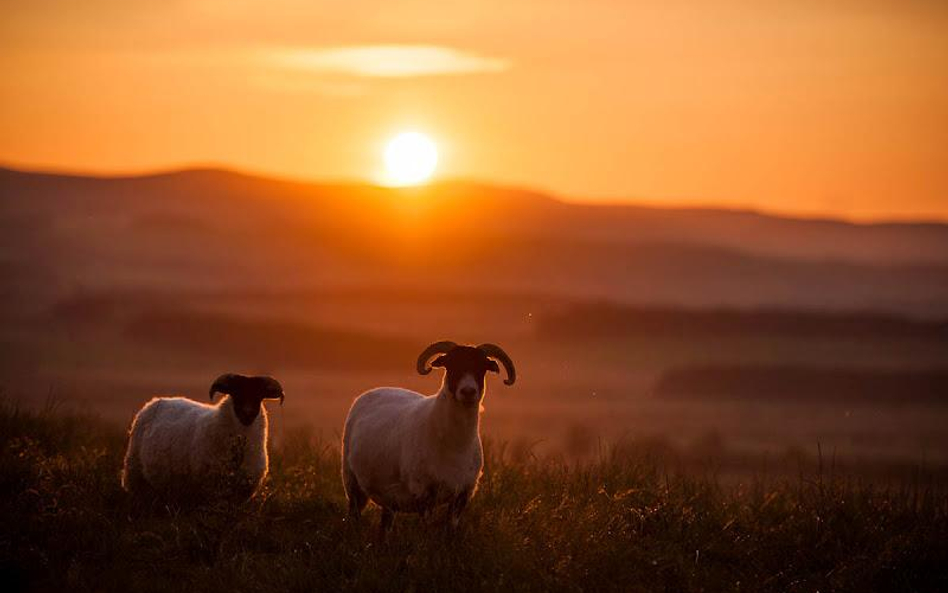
(182, 449)
(411, 453)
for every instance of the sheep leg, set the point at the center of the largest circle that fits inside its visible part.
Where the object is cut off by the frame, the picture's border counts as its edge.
(388, 517)
(354, 492)
(357, 502)
(357, 499)
(427, 503)
(458, 505)
(133, 475)
(133, 479)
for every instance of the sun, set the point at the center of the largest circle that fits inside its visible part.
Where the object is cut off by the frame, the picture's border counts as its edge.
(410, 159)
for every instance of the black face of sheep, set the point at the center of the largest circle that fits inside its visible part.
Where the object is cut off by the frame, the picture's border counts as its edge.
(465, 368)
(247, 393)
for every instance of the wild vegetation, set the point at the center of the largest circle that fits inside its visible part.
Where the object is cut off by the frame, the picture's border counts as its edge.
(627, 521)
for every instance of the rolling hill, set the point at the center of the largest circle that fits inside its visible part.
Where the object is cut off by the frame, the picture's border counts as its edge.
(219, 230)
(116, 289)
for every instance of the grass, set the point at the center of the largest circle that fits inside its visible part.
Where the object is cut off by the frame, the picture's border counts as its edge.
(622, 523)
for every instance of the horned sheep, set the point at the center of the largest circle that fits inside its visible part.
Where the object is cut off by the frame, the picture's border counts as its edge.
(411, 453)
(178, 447)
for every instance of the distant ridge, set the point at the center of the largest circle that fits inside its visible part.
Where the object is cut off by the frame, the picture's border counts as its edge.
(224, 172)
(604, 320)
(214, 229)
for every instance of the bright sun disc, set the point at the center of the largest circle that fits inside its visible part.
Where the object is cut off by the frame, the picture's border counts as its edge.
(410, 158)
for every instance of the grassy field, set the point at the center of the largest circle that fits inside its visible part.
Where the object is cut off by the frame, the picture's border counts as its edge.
(624, 522)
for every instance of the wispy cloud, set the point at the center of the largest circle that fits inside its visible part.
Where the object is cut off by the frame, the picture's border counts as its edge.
(389, 61)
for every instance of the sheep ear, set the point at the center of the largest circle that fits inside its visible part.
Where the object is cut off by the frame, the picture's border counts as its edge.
(439, 362)
(225, 384)
(492, 366)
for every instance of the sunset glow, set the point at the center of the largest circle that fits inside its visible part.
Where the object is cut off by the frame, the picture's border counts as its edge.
(811, 109)
(410, 159)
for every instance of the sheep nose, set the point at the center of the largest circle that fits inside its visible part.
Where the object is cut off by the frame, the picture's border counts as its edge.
(468, 392)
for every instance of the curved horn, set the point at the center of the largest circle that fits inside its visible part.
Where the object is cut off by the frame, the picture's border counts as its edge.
(224, 384)
(436, 348)
(495, 351)
(273, 389)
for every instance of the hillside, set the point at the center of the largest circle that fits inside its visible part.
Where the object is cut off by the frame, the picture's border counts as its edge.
(117, 289)
(193, 194)
(201, 229)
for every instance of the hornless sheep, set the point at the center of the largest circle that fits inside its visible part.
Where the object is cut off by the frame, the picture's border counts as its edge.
(180, 448)
(410, 453)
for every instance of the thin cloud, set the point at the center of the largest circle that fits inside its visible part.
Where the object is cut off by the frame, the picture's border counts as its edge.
(389, 61)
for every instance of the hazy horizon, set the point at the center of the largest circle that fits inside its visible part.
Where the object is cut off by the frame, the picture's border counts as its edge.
(630, 201)
(123, 288)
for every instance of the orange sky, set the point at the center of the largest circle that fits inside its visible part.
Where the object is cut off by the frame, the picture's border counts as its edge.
(811, 107)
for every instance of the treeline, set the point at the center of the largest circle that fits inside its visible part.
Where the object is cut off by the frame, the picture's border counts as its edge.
(805, 384)
(608, 320)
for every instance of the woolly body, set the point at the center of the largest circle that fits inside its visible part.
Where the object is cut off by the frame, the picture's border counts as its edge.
(177, 444)
(409, 452)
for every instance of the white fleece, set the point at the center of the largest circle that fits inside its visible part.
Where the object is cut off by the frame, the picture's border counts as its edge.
(410, 452)
(176, 444)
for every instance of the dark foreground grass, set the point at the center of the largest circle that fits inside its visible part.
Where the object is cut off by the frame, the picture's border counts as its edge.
(620, 524)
